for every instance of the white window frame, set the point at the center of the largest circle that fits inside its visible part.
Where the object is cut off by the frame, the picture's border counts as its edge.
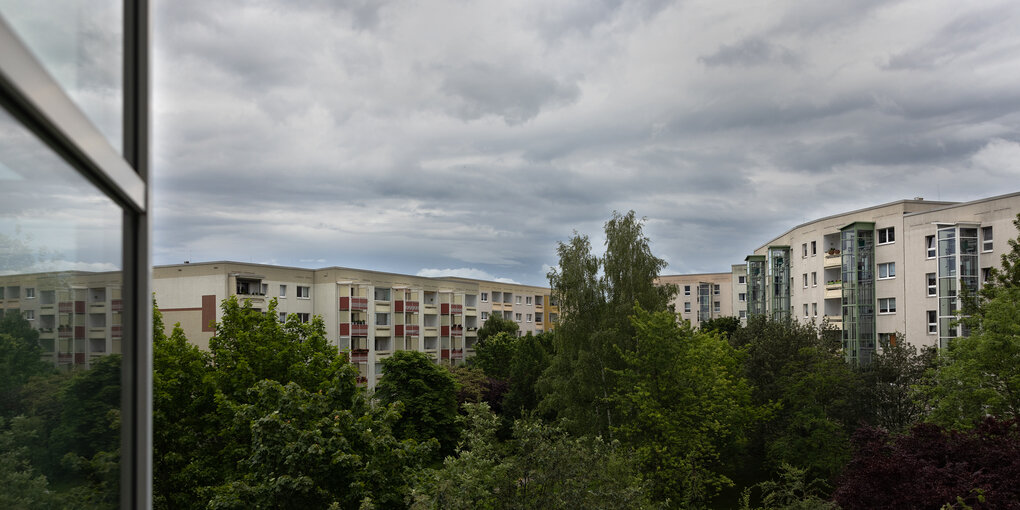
(716, 306)
(803, 254)
(932, 317)
(485, 297)
(527, 300)
(742, 297)
(485, 316)
(307, 292)
(814, 278)
(932, 283)
(716, 290)
(888, 232)
(28, 314)
(518, 299)
(805, 280)
(527, 317)
(889, 268)
(886, 306)
(931, 249)
(687, 290)
(806, 311)
(29, 292)
(283, 316)
(741, 280)
(687, 307)
(814, 309)
(814, 248)
(517, 316)
(283, 292)
(987, 242)
(742, 314)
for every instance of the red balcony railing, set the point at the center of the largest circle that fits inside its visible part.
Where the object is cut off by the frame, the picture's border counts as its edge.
(116, 331)
(117, 305)
(457, 354)
(79, 307)
(411, 306)
(457, 330)
(456, 309)
(65, 307)
(411, 330)
(398, 330)
(353, 303)
(444, 354)
(444, 330)
(79, 332)
(359, 355)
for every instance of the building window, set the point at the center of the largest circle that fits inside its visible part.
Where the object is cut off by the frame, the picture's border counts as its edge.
(886, 235)
(814, 248)
(485, 315)
(715, 307)
(887, 305)
(929, 243)
(986, 274)
(303, 292)
(485, 297)
(283, 316)
(814, 309)
(303, 317)
(518, 299)
(715, 290)
(886, 270)
(742, 314)
(803, 248)
(687, 306)
(986, 238)
(932, 284)
(382, 319)
(742, 297)
(527, 300)
(805, 311)
(528, 317)
(29, 292)
(805, 280)
(814, 279)
(517, 317)
(538, 317)
(687, 290)
(742, 279)
(283, 291)
(508, 315)
(933, 322)
(29, 315)
(382, 294)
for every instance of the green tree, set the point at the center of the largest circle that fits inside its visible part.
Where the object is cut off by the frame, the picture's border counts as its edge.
(494, 325)
(684, 401)
(530, 360)
(595, 327)
(494, 354)
(23, 486)
(725, 326)
(427, 394)
(540, 467)
(20, 359)
(318, 450)
(887, 385)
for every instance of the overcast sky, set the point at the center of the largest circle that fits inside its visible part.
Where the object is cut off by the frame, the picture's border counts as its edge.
(462, 137)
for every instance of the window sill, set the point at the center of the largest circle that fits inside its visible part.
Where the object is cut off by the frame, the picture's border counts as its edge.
(887, 313)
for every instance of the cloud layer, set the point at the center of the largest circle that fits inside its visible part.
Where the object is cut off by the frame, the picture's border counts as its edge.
(406, 135)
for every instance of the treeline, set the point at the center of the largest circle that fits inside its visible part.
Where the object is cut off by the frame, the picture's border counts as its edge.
(622, 406)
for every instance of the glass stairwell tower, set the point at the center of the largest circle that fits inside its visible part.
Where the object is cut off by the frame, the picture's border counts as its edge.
(858, 302)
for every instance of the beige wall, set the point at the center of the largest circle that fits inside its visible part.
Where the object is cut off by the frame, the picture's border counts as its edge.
(724, 298)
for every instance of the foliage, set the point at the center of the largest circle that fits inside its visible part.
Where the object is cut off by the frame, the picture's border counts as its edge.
(792, 491)
(495, 325)
(530, 360)
(427, 396)
(20, 359)
(493, 355)
(316, 449)
(930, 467)
(474, 387)
(725, 326)
(683, 400)
(23, 486)
(886, 388)
(797, 367)
(980, 375)
(595, 327)
(541, 467)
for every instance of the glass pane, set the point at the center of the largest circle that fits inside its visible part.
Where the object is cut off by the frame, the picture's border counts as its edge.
(81, 44)
(60, 331)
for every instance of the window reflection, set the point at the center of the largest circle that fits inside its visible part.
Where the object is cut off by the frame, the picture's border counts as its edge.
(81, 45)
(60, 334)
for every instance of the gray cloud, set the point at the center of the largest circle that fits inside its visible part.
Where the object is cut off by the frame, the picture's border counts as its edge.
(444, 134)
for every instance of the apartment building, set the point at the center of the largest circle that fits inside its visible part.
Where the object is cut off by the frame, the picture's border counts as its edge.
(882, 272)
(702, 297)
(78, 314)
(369, 314)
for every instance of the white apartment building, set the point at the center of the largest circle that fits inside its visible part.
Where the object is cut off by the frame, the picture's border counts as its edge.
(368, 314)
(702, 297)
(881, 272)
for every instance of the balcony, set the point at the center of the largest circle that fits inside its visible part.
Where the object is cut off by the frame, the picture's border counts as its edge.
(116, 331)
(359, 356)
(833, 260)
(836, 321)
(457, 330)
(405, 306)
(456, 353)
(353, 329)
(834, 289)
(249, 288)
(411, 330)
(451, 309)
(117, 305)
(357, 304)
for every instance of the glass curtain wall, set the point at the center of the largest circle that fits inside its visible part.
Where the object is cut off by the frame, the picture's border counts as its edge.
(704, 301)
(858, 301)
(779, 281)
(958, 268)
(75, 313)
(756, 284)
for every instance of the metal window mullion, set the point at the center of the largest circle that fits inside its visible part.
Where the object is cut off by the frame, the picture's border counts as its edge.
(33, 97)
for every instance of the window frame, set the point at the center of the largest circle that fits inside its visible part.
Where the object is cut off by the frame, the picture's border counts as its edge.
(890, 270)
(933, 325)
(932, 282)
(308, 292)
(931, 248)
(987, 242)
(283, 291)
(886, 306)
(741, 280)
(889, 233)
(39, 104)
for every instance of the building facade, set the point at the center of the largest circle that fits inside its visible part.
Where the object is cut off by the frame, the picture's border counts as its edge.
(883, 272)
(702, 297)
(368, 314)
